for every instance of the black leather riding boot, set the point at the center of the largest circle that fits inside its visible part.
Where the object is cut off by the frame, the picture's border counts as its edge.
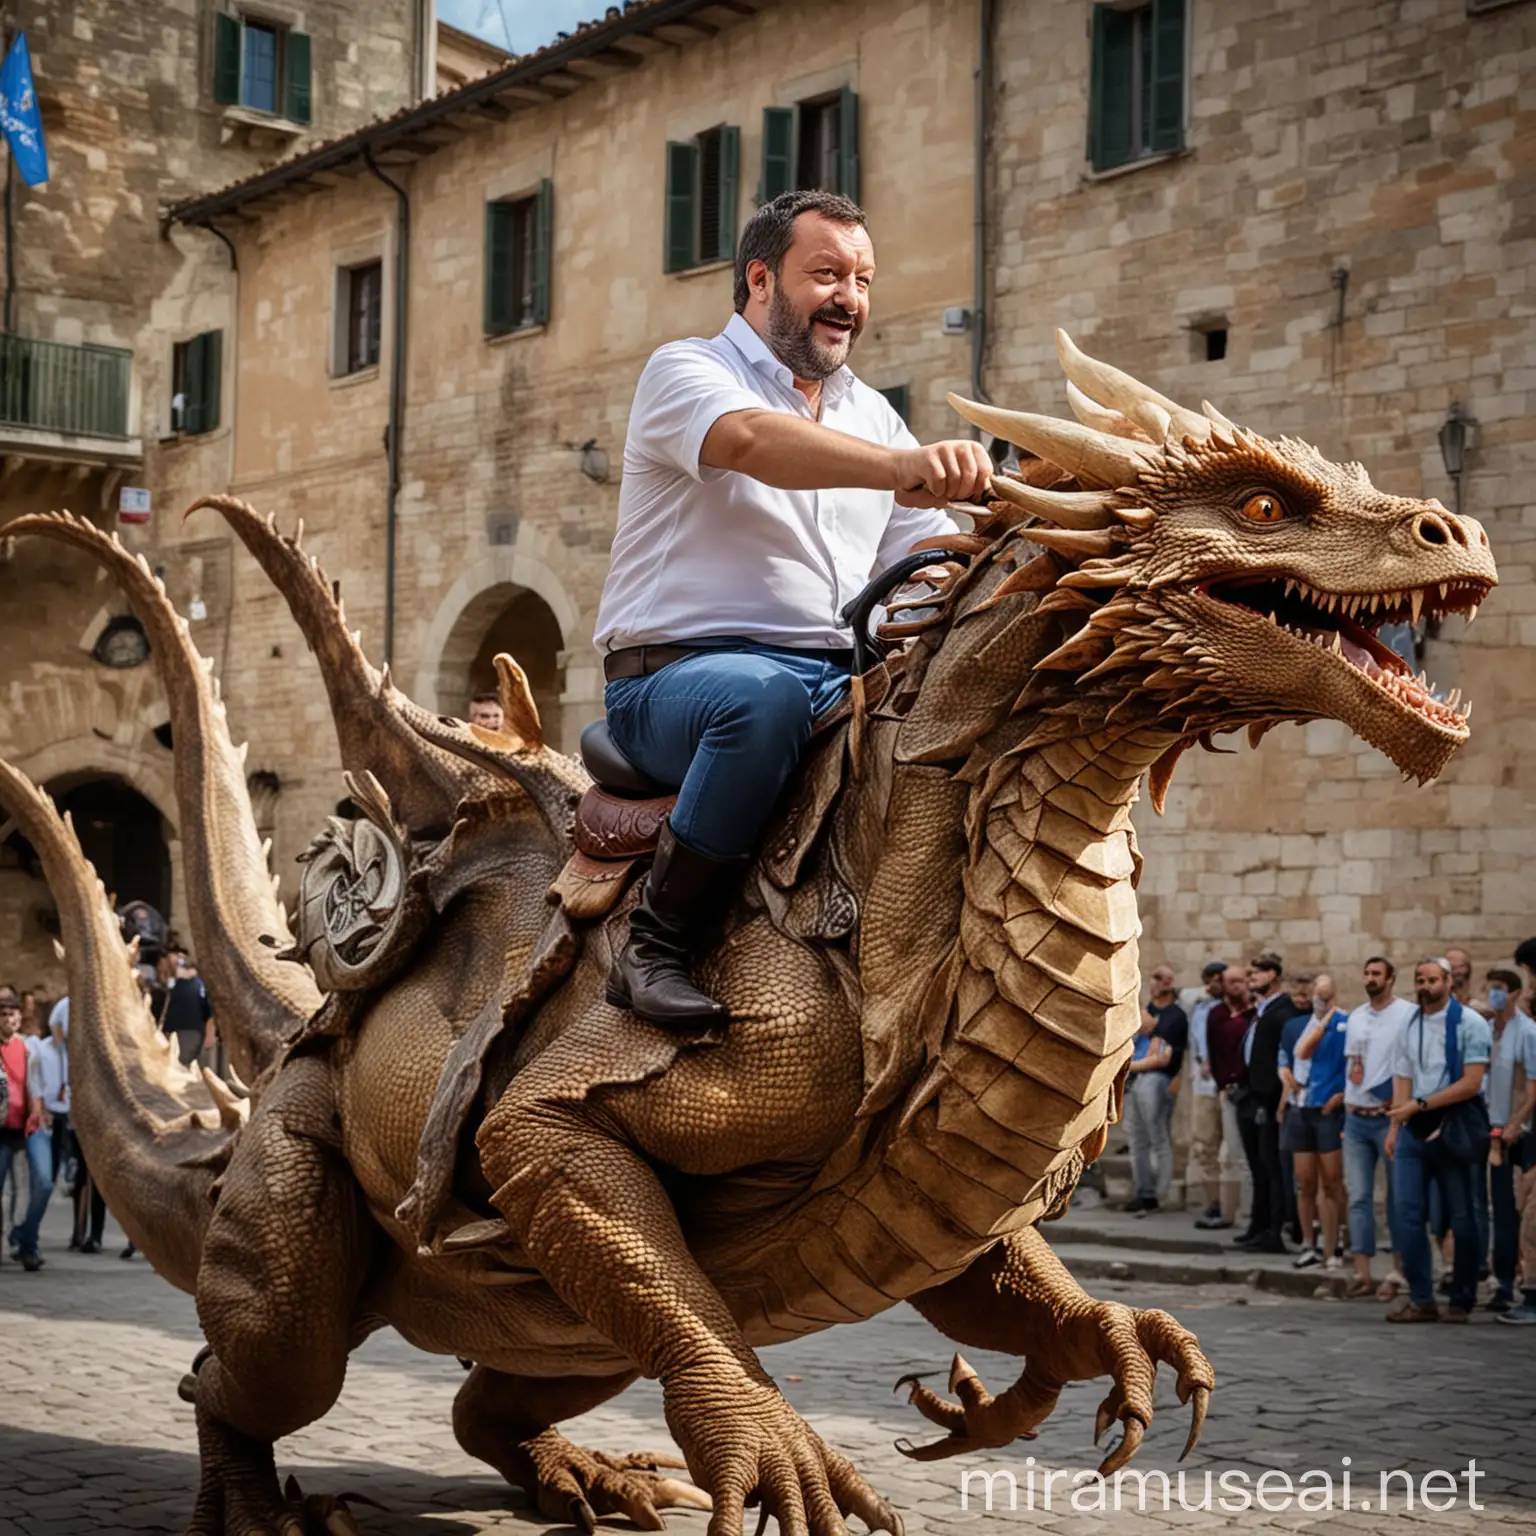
(653, 974)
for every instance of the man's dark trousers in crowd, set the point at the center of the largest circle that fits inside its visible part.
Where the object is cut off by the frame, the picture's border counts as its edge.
(1504, 1177)
(1418, 1164)
(1260, 1130)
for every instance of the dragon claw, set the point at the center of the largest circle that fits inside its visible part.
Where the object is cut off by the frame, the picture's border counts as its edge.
(1129, 1443)
(1200, 1397)
(582, 1515)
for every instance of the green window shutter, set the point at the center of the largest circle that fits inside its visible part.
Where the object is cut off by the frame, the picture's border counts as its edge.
(900, 398)
(211, 345)
(778, 153)
(1168, 52)
(848, 144)
(682, 206)
(498, 268)
(226, 58)
(730, 189)
(1109, 108)
(194, 387)
(543, 249)
(296, 77)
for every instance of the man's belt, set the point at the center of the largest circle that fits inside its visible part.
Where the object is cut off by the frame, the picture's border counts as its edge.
(1367, 1114)
(643, 660)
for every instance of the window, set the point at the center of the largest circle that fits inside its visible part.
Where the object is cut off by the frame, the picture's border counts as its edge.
(195, 378)
(702, 179)
(813, 144)
(362, 306)
(1137, 87)
(261, 65)
(899, 396)
(517, 261)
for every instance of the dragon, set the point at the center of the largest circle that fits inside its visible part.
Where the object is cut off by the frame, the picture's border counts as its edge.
(931, 970)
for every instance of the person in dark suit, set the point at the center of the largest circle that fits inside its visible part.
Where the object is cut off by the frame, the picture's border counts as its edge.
(1258, 1104)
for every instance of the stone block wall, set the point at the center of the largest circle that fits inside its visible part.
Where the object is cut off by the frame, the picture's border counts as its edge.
(1389, 142)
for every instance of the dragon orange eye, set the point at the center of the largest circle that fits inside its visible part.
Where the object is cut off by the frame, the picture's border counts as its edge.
(1264, 508)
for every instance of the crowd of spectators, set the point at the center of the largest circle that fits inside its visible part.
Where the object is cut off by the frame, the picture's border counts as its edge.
(1303, 1102)
(38, 1147)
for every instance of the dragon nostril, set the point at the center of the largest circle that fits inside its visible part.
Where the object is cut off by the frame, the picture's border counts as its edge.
(1430, 530)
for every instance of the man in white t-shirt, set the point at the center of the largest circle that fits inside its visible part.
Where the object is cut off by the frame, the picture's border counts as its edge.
(763, 486)
(1437, 1073)
(1370, 1045)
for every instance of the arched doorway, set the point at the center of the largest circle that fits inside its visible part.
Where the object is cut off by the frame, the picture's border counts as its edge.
(509, 618)
(124, 837)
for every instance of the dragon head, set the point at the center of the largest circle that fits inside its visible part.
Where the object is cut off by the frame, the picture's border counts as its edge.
(1223, 579)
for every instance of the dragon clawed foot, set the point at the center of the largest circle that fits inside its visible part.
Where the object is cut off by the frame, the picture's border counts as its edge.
(239, 1493)
(568, 1482)
(1128, 1344)
(749, 1447)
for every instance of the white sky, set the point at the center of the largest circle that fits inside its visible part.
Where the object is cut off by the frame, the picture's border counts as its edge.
(520, 25)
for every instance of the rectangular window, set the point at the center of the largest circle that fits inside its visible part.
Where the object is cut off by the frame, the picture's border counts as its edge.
(1136, 106)
(196, 366)
(362, 308)
(703, 177)
(517, 262)
(261, 65)
(813, 144)
(900, 398)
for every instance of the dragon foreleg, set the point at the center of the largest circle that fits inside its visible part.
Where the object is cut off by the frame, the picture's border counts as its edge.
(1018, 1298)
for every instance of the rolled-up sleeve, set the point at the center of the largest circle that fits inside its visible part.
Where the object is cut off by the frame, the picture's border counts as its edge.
(685, 389)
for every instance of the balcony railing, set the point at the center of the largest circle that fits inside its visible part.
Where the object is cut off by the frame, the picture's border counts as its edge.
(52, 387)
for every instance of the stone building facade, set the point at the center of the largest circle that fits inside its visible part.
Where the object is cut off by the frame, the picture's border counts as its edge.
(105, 298)
(1282, 146)
(1354, 209)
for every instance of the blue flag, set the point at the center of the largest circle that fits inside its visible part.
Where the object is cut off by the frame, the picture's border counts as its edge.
(19, 115)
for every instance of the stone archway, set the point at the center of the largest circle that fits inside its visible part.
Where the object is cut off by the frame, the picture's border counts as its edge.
(509, 601)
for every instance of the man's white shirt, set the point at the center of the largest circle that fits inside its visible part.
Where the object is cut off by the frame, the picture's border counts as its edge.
(703, 552)
(1372, 1037)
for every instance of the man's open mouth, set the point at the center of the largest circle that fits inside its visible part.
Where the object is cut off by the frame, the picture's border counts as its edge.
(842, 327)
(1345, 626)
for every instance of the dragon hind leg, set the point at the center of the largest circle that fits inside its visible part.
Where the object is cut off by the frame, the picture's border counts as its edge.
(508, 1422)
(283, 1260)
(1018, 1298)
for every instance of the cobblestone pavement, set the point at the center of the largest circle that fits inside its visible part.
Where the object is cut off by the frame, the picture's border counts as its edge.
(93, 1437)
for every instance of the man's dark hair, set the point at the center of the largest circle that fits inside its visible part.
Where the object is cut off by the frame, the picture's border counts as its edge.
(1212, 968)
(1380, 960)
(1506, 979)
(1525, 954)
(486, 698)
(1268, 961)
(771, 230)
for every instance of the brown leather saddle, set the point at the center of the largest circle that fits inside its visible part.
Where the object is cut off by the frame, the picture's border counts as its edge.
(618, 823)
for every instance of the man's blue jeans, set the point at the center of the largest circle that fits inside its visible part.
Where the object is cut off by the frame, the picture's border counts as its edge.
(725, 727)
(40, 1183)
(1418, 1163)
(1365, 1140)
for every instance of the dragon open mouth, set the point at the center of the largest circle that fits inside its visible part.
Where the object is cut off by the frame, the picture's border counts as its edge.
(1345, 625)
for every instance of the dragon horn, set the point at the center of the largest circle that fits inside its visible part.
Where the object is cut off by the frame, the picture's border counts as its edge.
(1100, 417)
(1094, 458)
(1155, 414)
(1067, 509)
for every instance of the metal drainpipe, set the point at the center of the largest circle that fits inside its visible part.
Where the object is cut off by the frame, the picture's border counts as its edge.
(396, 393)
(979, 299)
(234, 377)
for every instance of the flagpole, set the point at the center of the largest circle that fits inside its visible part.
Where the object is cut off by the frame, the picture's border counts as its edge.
(10, 220)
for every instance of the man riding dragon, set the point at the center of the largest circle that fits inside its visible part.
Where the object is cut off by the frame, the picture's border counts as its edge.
(582, 1082)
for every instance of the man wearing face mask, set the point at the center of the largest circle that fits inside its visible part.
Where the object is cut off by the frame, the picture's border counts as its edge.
(1511, 1091)
(763, 486)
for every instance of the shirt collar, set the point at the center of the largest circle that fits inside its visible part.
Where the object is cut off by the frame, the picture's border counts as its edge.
(761, 357)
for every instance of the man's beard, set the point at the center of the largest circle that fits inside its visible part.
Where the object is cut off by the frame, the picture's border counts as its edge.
(794, 342)
(1428, 1001)
(1374, 989)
